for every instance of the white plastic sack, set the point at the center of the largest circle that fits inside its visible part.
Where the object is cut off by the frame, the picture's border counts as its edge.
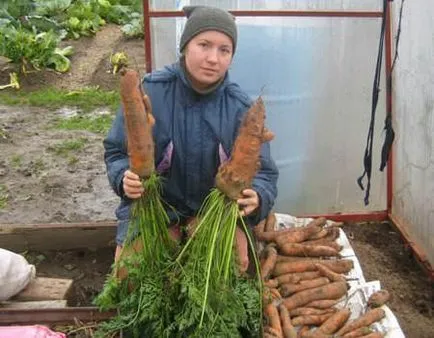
(15, 274)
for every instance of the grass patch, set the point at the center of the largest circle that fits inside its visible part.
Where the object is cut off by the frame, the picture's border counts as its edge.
(97, 124)
(65, 147)
(86, 99)
(16, 161)
(3, 196)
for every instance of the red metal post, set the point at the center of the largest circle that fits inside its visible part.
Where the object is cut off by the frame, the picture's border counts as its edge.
(371, 216)
(419, 253)
(147, 34)
(388, 49)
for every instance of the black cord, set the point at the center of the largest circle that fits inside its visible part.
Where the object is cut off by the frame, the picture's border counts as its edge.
(367, 158)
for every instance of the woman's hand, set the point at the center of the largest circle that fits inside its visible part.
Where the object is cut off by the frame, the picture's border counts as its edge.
(132, 185)
(249, 202)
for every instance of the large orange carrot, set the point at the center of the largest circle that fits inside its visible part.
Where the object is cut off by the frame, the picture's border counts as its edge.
(378, 298)
(335, 322)
(311, 319)
(360, 332)
(138, 123)
(321, 242)
(303, 311)
(374, 335)
(329, 291)
(287, 327)
(288, 278)
(338, 265)
(271, 283)
(290, 288)
(322, 303)
(270, 222)
(326, 272)
(367, 319)
(297, 236)
(297, 249)
(270, 261)
(272, 315)
(237, 174)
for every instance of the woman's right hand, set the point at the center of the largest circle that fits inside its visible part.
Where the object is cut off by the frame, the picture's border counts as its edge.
(132, 185)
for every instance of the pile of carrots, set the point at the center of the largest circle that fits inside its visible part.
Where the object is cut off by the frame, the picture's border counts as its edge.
(304, 279)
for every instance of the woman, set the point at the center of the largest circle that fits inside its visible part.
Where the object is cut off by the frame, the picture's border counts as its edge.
(198, 111)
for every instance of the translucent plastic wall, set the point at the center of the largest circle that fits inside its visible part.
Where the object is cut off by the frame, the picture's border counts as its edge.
(316, 77)
(413, 195)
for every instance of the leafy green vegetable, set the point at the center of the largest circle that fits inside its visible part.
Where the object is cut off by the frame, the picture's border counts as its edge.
(142, 299)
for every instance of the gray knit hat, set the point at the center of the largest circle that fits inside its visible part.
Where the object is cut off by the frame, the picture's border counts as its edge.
(204, 18)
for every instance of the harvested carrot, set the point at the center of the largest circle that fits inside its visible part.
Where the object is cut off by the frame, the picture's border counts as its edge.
(320, 221)
(323, 303)
(360, 332)
(138, 122)
(378, 298)
(367, 319)
(307, 275)
(329, 291)
(332, 235)
(284, 258)
(271, 283)
(303, 331)
(237, 174)
(287, 327)
(271, 332)
(338, 265)
(270, 222)
(289, 289)
(273, 319)
(330, 244)
(269, 263)
(297, 236)
(305, 250)
(303, 311)
(319, 234)
(310, 319)
(326, 272)
(288, 278)
(335, 322)
(270, 294)
(374, 335)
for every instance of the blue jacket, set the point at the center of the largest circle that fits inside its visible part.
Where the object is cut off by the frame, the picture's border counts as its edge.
(192, 132)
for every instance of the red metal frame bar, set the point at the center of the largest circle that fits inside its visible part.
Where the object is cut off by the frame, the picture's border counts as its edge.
(369, 216)
(340, 14)
(388, 50)
(147, 34)
(148, 14)
(419, 253)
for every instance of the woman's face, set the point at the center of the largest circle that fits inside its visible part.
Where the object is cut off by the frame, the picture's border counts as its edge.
(207, 57)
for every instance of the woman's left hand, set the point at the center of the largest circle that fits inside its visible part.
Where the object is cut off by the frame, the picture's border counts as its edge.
(249, 202)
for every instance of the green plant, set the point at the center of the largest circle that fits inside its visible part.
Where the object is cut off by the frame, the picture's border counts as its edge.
(3, 196)
(86, 99)
(67, 146)
(16, 161)
(33, 50)
(97, 124)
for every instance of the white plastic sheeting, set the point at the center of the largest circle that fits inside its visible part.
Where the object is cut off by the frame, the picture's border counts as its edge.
(316, 77)
(414, 122)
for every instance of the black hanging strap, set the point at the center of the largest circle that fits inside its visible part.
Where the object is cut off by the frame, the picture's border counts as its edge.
(367, 159)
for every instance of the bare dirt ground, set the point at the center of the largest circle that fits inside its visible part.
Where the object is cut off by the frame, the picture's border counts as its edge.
(45, 188)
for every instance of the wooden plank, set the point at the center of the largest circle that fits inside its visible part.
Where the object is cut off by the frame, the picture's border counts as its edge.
(42, 288)
(41, 304)
(59, 236)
